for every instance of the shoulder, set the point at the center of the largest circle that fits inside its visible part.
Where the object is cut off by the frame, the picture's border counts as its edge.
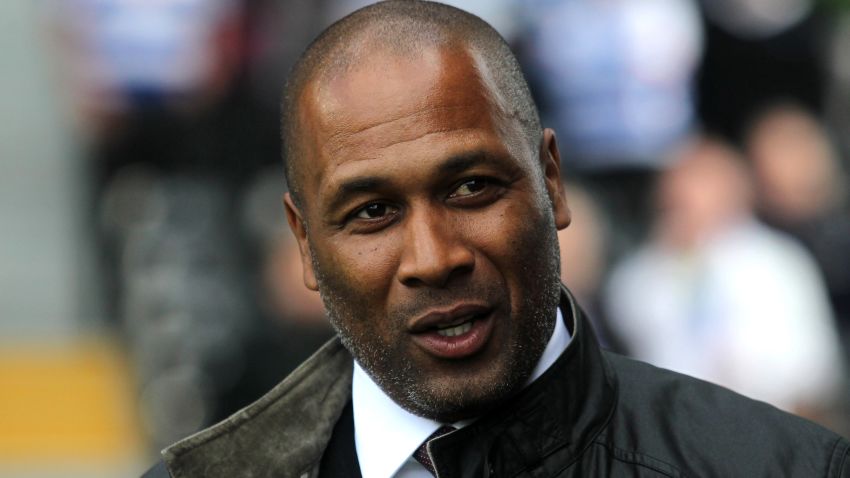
(285, 430)
(703, 429)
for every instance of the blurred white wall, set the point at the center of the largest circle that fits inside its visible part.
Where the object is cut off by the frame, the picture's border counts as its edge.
(41, 251)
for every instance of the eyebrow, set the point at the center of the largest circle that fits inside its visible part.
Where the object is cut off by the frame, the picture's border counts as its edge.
(461, 162)
(354, 187)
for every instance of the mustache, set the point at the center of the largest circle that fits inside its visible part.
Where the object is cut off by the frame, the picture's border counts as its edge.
(427, 299)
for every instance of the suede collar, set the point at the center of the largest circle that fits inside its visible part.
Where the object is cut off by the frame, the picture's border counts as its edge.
(283, 434)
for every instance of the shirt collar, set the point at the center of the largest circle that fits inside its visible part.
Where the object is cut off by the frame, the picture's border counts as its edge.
(386, 435)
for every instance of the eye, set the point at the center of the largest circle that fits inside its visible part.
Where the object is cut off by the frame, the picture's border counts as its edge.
(470, 187)
(372, 211)
(371, 217)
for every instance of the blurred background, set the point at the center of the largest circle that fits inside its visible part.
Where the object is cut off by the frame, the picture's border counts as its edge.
(149, 285)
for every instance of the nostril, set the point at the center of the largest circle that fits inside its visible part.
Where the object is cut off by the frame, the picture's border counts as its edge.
(412, 282)
(439, 278)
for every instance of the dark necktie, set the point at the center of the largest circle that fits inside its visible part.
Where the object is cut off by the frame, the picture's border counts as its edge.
(421, 454)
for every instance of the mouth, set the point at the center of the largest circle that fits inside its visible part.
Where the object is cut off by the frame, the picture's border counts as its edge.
(457, 333)
(458, 325)
(449, 318)
(455, 330)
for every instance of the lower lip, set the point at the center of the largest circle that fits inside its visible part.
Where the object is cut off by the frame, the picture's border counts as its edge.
(458, 346)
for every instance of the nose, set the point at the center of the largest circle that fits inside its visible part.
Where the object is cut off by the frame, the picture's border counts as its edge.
(434, 251)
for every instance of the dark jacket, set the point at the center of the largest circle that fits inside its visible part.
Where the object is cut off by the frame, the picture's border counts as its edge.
(592, 413)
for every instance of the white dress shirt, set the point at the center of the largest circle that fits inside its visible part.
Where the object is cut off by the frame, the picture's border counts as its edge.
(386, 435)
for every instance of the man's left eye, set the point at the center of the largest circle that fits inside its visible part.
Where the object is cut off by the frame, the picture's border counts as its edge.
(470, 187)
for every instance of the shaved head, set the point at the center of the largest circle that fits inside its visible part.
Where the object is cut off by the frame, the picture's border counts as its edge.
(405, 28)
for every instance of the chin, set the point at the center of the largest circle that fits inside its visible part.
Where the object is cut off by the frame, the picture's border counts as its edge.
(455, 411)
(451, 409)
(468, 395)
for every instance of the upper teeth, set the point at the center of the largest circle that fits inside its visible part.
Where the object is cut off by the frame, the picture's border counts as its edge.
(455, 330)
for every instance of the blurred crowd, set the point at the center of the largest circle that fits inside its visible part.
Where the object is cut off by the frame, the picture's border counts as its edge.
(705, 148)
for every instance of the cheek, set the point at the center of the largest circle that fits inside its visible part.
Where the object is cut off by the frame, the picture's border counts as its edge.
(520, 241)
(357, 268)
(512, 231)
(509, 239)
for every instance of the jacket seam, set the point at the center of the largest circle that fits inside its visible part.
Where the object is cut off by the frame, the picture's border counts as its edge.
(593, 440)
(634, 458)
(608, 371)
(837, 471)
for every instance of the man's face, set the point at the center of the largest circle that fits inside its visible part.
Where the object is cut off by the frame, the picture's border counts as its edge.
(429, 229)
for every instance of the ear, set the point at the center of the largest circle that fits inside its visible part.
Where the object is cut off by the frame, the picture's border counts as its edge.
(550, 161)
(296, 223)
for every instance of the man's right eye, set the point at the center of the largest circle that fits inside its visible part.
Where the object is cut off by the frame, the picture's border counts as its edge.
(371, 217)
(372, 211)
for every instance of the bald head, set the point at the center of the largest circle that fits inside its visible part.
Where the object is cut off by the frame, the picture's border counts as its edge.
(404, 28)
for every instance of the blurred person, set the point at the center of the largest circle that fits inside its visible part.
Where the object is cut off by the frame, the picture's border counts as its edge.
(278, 30)
(278, 254)
(803, 190)
(290, 324)
(123, 55)
(757, 18)
(583, 249)
(797, 173)
(717, 295)
(615, 78)
(181, 300)
(503, 15)
(426, 197)
(584, 257)
(837, 116)
(175, 135)
(757, 52)
(282, 275)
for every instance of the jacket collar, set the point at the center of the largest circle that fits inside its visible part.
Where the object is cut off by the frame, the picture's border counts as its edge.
(559, 414)
(286, 431)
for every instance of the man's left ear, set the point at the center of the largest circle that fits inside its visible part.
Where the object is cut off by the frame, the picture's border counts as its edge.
(550, 161)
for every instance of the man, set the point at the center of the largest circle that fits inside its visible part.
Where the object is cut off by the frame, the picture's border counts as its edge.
(426, 197)
(714, 294)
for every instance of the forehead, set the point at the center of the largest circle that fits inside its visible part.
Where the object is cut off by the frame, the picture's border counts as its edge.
(389, 107)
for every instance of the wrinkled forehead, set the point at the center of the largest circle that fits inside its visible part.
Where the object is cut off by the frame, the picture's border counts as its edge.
(391, 98)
